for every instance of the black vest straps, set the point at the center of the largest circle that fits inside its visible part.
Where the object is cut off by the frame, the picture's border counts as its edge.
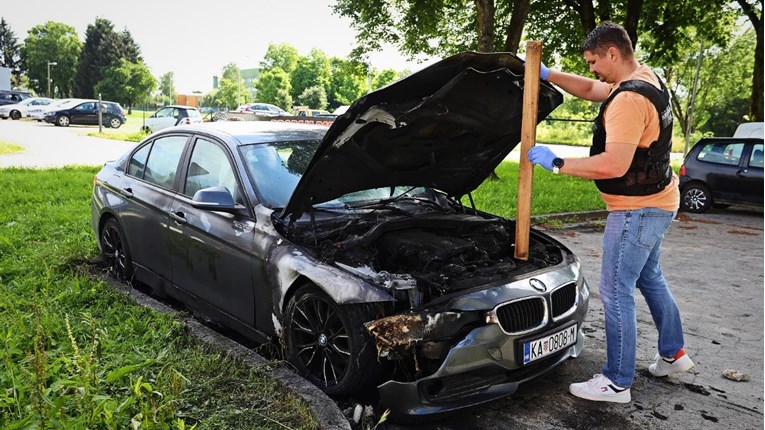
(650, 171)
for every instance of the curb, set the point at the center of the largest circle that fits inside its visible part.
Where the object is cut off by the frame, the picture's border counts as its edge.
(323, 409)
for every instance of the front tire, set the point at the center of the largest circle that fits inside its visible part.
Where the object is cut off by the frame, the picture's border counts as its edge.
(63, 121)
(696, 198)
(115, 251)
(327, 342)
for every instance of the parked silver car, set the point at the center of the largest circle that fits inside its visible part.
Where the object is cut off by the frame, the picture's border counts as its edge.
(351, 244)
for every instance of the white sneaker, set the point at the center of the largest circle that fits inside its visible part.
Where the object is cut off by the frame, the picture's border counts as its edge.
(664, 366)
(600, 389)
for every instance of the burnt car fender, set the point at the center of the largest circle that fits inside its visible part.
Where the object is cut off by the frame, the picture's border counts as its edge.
(288, 263)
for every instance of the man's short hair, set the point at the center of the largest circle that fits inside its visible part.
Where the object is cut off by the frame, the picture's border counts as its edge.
(606, 35)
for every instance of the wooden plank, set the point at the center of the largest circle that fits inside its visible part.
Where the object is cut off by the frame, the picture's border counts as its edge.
(528, 138)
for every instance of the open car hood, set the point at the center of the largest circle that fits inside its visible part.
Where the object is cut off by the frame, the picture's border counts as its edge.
(447, 126)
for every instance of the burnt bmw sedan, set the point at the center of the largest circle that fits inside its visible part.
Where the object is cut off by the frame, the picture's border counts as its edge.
(352, 245)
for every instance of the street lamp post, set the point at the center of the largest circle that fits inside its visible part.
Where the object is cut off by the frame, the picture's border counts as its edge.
(50, 63)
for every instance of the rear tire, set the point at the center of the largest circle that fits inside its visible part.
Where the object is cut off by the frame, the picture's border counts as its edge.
(696, 198)
(115, 123)
(328, 344)
(63, 121)
(115, 251)
(15, 115)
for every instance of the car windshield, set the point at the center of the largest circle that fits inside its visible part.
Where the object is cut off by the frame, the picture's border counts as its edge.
(276, 168)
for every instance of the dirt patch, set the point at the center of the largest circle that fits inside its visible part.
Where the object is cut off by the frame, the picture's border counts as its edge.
(688, 227)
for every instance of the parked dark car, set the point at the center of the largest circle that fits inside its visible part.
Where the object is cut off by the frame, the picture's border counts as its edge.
(720, 172)
(351, 245)
(12, 97)
(86, 113)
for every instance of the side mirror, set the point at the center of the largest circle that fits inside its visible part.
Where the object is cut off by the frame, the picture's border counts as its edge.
(215, 199)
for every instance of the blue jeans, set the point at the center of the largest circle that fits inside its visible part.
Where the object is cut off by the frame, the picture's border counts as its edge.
(631, 250)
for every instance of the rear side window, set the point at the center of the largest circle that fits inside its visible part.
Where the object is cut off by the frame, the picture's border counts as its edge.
(138, 161)
(756, 159)
(193, 113)
(728, 153)
(163, 160)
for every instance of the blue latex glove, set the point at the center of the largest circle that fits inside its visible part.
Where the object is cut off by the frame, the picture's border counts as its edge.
(543, 156)
(544, 71)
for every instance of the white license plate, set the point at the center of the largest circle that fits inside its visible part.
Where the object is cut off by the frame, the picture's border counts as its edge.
(544, 346)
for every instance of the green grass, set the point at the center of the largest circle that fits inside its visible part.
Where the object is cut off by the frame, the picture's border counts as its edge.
(580, 134)
(551, 193)
(78, 354)
(9, 148)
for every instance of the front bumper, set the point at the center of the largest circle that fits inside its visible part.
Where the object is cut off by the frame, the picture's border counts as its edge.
(486, 364)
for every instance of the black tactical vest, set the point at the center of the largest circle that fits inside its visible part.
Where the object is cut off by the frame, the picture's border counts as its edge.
(649, 172)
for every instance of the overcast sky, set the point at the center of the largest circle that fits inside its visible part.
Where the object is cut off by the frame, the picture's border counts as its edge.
(196, 39)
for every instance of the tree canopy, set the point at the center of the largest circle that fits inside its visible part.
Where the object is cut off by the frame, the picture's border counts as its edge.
(103, 48)
(126, 82)
(10, 54)
(658, 28)
(51, 42)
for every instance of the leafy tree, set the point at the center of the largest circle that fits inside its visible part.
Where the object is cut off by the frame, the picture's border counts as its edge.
(755, 17)
(10, 55)
(311, 71)
(347, 82)
(51, 42)
(315, 97)
(283, 56)
(274, 87)
(231, 91)
(722, 97)
(167, 88)
(384, 78)
(127, 83)
(104, 47)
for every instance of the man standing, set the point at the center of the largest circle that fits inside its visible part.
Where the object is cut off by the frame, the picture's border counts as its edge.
(629, 161)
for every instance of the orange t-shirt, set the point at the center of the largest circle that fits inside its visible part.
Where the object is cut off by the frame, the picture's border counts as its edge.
(631, 119)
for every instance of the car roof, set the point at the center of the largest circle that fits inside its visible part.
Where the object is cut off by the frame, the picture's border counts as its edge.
(237, 133)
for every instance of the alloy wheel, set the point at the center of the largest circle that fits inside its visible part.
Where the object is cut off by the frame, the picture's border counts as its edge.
(695, 199)
(320, 340)
(114, 251)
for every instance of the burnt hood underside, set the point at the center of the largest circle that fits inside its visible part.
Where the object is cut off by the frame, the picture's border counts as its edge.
(447, 126)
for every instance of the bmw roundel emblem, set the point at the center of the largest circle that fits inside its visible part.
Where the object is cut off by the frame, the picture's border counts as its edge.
(538, 285)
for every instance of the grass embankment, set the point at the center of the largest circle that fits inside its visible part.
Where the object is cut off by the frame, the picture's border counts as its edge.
(9, 148)
(78, 354)
(551, 193)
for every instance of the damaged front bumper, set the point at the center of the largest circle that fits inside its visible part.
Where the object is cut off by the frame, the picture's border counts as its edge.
(485, 363)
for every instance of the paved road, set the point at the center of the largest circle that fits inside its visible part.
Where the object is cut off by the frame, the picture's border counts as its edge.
(46, 145)
(714, 265)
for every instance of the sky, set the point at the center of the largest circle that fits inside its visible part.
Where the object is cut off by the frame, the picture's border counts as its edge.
(195, 40)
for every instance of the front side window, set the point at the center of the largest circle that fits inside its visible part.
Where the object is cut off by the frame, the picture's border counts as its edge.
(210, 167)
(756, 159)
(728, 153)
(86, 106)
(163, 160)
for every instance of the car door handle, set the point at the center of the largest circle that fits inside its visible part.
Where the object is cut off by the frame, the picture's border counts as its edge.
(178, 217)
(128, 192)
(741, 172)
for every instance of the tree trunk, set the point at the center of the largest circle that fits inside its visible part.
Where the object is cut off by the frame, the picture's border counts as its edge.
(634, 8)
(485, 28)
(517, 22)
(485, 25)
(586, 13)
(755, 109)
